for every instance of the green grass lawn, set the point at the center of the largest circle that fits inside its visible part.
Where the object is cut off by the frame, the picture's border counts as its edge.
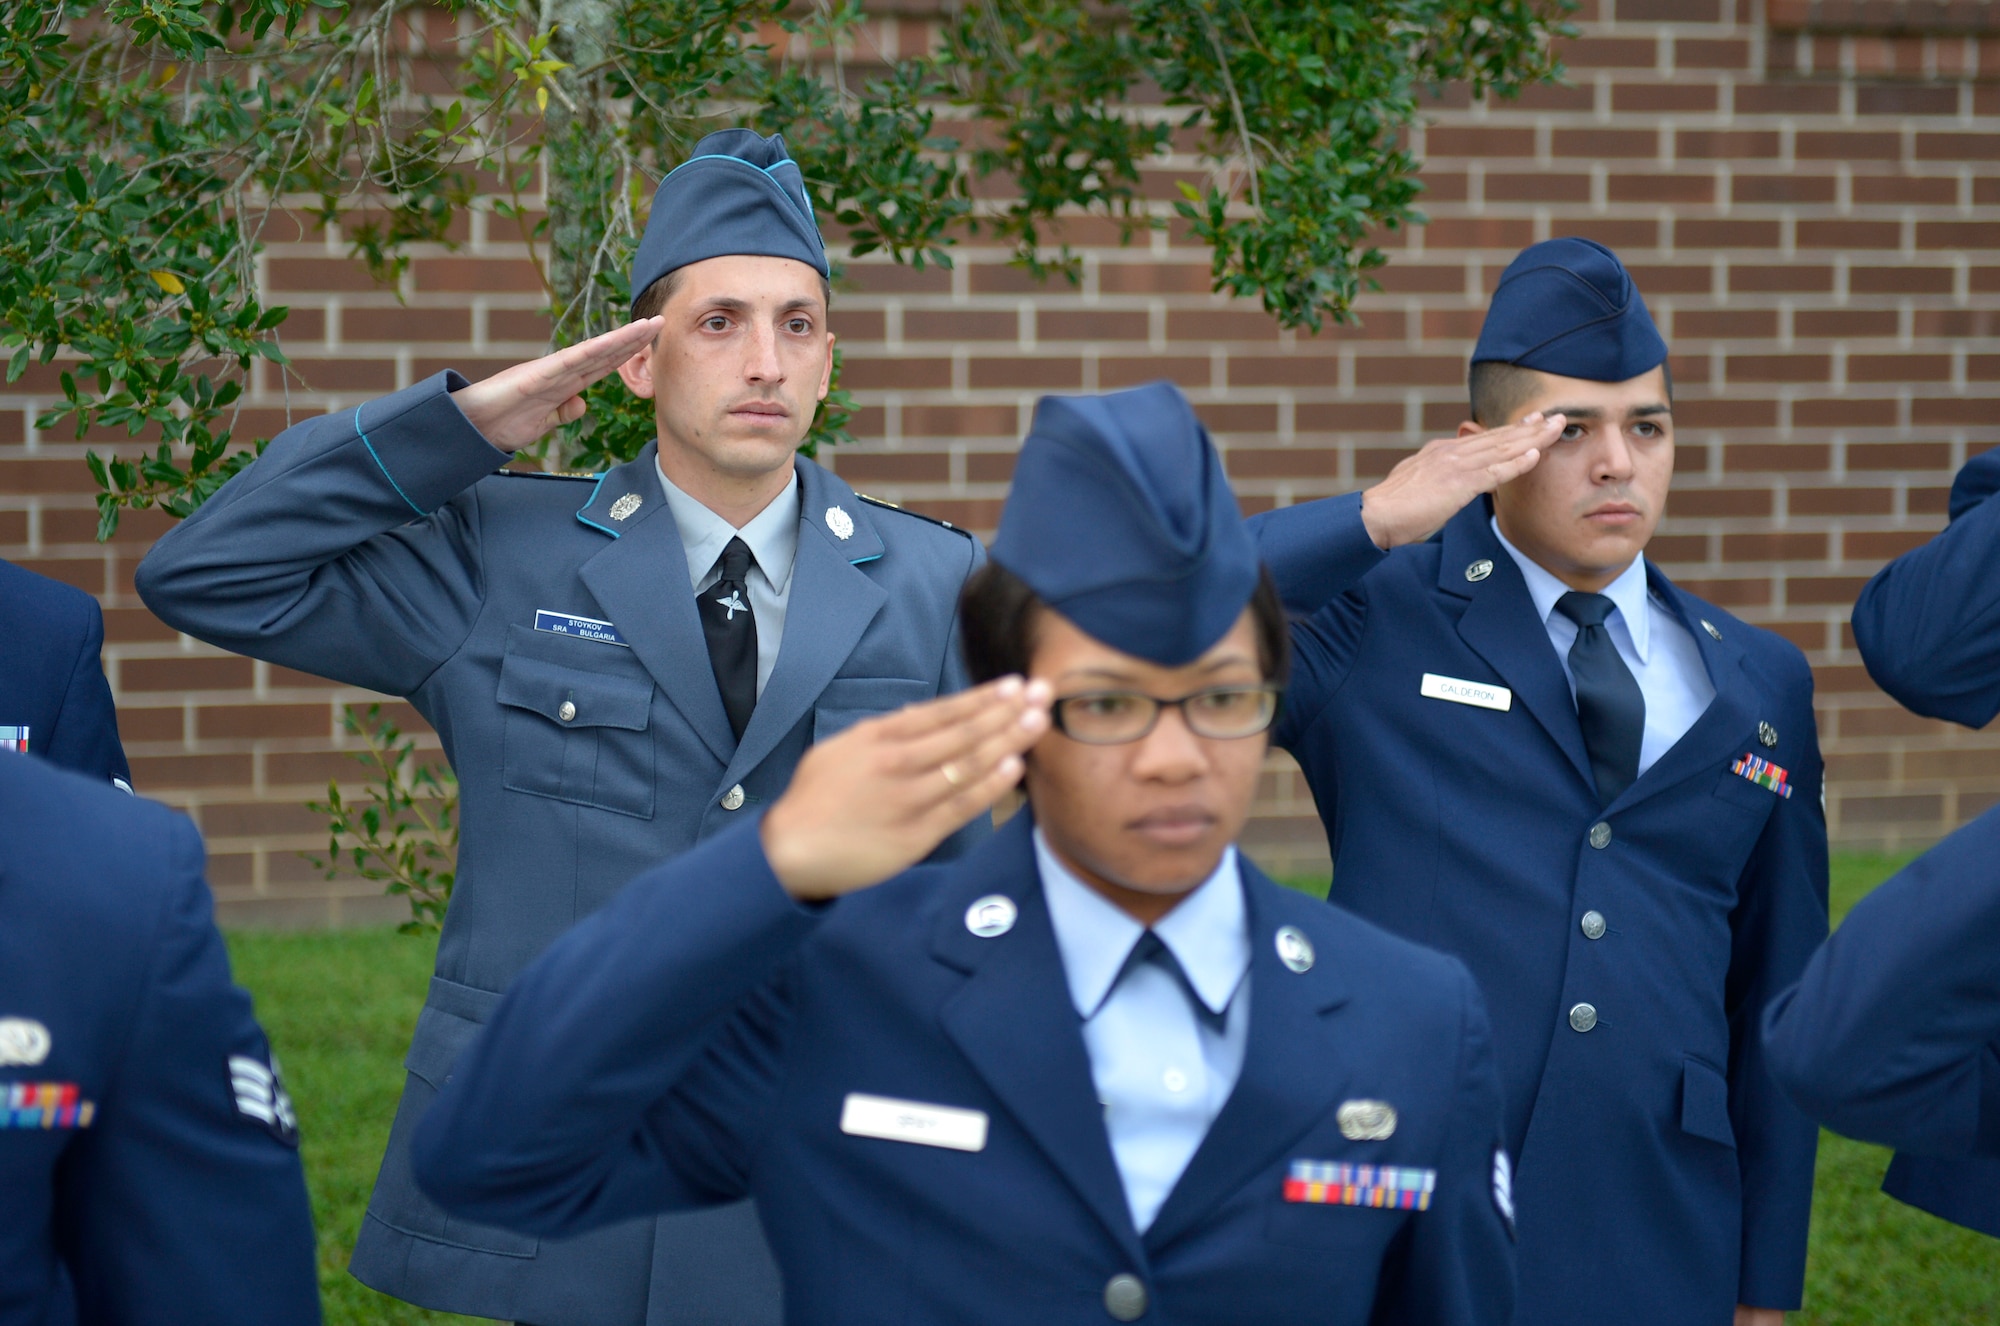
(340, 1007)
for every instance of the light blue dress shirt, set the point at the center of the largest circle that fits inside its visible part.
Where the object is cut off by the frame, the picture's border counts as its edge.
(773, 536)
(1664, 658)
(1162, 1074)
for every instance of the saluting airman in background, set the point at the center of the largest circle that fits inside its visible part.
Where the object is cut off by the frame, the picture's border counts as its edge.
(617, 668)
(1534, 751)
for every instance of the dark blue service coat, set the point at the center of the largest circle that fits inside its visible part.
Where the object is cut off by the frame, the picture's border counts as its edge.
(148, 1174)
(1928, 627)
(379, 547)
(1893, 1036)
(1662, 1176)
(692, 1043)
(52, 678)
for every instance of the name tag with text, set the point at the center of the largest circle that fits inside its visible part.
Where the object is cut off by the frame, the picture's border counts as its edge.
(583, 628)
(1459, 691)
(913, 1121)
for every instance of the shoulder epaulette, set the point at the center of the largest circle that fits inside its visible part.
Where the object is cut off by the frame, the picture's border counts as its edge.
(891, 506)
(547, 474)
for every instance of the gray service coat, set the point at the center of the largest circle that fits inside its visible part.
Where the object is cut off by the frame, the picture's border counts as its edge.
(378, 547)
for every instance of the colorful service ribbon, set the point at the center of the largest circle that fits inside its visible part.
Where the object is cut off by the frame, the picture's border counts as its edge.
(1397, 1188)
(44, 1105)
(1763, 773)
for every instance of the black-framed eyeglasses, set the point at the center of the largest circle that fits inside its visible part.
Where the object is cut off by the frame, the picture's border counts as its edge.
(1107, 718)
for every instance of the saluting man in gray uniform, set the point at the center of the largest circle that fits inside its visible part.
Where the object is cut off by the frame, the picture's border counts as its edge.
(616, 667)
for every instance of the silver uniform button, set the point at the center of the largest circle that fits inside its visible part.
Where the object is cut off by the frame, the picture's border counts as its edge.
(1583, 1017)
(991, 916)
(1767, 734)
(1600, 835)
(566, 710)
(1593, 925)
(1125, 1298)
(1479, 570)
(733, 798)
(1294, 949)
(1709, 626)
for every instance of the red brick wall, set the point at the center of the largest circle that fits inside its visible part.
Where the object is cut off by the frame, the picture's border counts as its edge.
(1805, 190)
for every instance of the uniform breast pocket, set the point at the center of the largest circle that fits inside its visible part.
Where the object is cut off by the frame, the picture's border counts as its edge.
(1740, 791)
(578, 715)
(848, 700)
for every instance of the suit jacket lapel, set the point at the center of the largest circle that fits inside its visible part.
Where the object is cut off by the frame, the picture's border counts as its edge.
(1014, 1023)
(640, 579)
(827, 610)
(1501, 626)
(1294, 1069)
(1730, 719)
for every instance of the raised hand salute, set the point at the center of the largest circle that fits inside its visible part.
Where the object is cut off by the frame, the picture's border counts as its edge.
(881, 796)
(520, 405)
(1429, 487)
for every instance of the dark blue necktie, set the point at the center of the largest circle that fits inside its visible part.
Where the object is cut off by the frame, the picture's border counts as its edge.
(1150, 948)
(732, 635)
(1608, 699)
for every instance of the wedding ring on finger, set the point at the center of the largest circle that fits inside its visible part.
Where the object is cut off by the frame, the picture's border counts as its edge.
(951, 775)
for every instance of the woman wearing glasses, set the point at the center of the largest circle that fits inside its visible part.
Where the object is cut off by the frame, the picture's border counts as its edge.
(1100, 1067)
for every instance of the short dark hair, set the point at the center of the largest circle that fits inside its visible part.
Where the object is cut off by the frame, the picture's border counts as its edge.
(997, 618)
(1499, 390)
(655, 296)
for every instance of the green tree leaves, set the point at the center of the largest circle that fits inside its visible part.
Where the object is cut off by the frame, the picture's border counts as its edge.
(1299, 107)
(147, 146)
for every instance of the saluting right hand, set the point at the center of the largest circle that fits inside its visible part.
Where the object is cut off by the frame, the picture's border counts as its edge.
(519, 405)
(1429, 488)
(876, 799)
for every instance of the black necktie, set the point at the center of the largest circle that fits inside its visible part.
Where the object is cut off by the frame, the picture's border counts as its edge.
(1608, 700)
(732, 634)
(1152, 949)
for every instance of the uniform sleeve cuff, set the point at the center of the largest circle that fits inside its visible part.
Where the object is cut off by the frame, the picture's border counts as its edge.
(422, 442)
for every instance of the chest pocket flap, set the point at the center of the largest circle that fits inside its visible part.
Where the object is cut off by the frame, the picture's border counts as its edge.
(577, 720)
(596, 699)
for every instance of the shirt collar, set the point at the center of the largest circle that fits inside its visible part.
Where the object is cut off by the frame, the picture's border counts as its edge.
(1208, 933)
(1628, 592)
(773, 533)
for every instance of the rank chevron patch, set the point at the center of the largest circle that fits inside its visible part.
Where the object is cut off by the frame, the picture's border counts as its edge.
(260, 1095)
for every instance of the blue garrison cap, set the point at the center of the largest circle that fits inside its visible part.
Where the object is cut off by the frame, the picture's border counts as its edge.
(1121, 520)
(1568, 307)
(738, 193)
